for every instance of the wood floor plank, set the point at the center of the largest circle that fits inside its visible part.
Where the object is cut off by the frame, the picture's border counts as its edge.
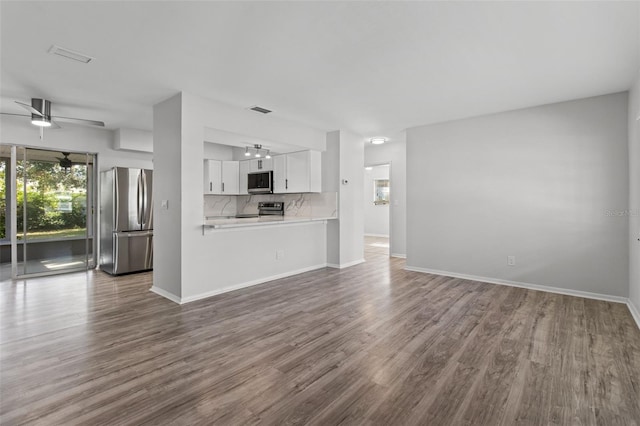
(371, 344)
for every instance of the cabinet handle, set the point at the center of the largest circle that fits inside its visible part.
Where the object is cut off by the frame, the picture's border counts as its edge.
(286, 184)
(222, 186)
(210, 186)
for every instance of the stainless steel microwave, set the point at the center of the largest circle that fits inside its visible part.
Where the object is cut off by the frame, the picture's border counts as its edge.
(260, 183)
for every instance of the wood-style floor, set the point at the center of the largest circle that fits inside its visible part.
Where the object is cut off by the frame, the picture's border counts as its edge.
(370, 344)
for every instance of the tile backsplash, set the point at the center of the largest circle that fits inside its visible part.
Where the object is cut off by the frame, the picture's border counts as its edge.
(220, 205)
(323, 204)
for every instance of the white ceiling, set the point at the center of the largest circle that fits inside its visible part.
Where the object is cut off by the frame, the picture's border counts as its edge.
(374, 68)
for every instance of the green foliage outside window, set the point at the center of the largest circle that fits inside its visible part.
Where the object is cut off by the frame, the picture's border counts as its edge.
(50, 190)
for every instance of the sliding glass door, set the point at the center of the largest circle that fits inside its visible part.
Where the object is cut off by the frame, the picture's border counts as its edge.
(54, 211)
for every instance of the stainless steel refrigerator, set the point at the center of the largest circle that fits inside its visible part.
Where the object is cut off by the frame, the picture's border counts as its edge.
(126, 220)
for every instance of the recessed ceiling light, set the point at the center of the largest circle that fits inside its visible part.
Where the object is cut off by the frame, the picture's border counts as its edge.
(368, 168)
(377, 141)
(70, 54)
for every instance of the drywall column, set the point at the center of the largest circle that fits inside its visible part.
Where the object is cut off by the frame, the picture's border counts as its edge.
(342, 164)
(634, 198)
(167, 185)
(548, 185)
(394, 153)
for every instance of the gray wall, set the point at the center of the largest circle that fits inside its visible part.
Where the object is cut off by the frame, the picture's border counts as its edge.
(544, 184)
(167, 253)
(634, 195)
(343, 160)
(394, 153)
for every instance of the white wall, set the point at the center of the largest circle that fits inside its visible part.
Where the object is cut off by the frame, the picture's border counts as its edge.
(351, 211)
(331, 183)
(19, 131)
(218, 151)
(394, 153)
(179, 132)
(376, 217)
(343, 161)
(543, 184)
(634, 196)
(133, 140)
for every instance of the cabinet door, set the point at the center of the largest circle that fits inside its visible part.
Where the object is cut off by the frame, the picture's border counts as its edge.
(230, 175)
(243, 169)
(279, 174)
(298, 171)
(261, 165)
(212, 176)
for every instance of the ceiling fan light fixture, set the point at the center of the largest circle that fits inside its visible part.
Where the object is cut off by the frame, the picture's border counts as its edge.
(377, 141)
(40, 121)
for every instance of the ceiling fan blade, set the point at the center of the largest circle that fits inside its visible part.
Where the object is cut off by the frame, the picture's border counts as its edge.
(78, 121)
(54, 125)
(29, 108)
(17, 115)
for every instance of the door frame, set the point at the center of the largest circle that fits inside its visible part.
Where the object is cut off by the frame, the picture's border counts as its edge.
(91, 218)
(391, 197)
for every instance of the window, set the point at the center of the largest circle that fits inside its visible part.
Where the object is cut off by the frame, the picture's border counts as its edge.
(380, 191)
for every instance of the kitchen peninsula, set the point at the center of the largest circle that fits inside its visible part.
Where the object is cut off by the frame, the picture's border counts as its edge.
(189, 131)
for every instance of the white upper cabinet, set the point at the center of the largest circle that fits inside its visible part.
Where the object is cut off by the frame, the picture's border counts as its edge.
(244, 168)
(297, 172)
(280, 173)
(230, 177)
(260, 165)
(221, 177)
(212, 176)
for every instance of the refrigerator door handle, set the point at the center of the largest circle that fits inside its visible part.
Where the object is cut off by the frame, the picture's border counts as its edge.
(116, 198)
(138, 195)
(143, 216)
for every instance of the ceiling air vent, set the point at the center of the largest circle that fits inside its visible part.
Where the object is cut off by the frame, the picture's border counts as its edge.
(70, 54)
(259, 109)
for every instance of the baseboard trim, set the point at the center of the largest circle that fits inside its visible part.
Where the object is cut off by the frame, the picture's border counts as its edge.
(377, 235)
(165, 294)
(345, 265)
(635, 313)
(548, 289)
(400, 255)
(249, 284)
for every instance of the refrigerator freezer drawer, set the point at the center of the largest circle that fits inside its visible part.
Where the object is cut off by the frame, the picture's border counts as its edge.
(132, 252)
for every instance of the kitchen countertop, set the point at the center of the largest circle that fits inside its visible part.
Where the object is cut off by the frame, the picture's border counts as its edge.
(233, 222)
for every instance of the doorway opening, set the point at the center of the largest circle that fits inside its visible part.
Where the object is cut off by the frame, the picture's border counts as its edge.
(377, 214)
(48, 207)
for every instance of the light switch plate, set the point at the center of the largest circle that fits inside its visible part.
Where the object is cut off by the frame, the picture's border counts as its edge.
(164, 204)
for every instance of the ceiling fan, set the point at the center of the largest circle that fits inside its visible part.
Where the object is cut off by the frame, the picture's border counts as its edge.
(40, 110)
(66, 162)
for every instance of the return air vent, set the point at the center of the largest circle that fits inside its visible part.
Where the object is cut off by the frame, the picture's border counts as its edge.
(70, 54)
(259, 109)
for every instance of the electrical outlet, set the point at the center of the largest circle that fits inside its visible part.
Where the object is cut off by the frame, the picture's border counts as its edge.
(511, 260)
(279, 254)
